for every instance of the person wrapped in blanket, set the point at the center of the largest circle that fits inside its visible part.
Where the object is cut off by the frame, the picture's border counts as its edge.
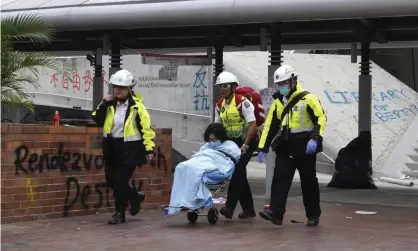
(213, 164)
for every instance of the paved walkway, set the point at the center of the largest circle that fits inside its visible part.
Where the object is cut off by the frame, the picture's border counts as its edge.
(391, 228)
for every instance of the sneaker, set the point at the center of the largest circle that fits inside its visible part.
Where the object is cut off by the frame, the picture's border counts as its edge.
(246, 214)
(226, 212)
(116, 218)
(312, 221)
(136, 204)
(268, 216)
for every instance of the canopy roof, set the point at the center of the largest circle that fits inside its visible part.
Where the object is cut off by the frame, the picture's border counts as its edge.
(124, 14)
(151, 24)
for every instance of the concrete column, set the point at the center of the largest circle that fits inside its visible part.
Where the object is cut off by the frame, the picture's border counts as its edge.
(365, 105)
(98, 78)
(218, 69)
(365, 90)
(354, 53)
(275, 62)
(115, 59)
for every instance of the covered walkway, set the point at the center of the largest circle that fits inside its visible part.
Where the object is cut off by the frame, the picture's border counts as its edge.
(107, 27)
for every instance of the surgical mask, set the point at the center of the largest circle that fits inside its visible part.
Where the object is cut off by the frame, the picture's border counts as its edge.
(214, 144)
(284, 90)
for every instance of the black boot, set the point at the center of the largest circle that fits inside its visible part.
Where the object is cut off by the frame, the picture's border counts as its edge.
(269, 216)
(247, 214)
(136, 204)
(227, 212)
(312, 221)
(117, 218)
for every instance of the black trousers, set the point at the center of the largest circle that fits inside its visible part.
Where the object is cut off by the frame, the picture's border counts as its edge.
(118, 175)
(284, 170)
(239, 188)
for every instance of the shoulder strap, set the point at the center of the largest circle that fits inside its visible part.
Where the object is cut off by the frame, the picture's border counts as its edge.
(238, 101)
(292, 103)
(229, 156)
(219, 104)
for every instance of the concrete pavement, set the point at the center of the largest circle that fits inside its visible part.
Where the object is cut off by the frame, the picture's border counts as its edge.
(394, 226)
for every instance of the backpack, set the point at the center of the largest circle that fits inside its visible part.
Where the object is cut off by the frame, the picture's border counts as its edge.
(255, 99)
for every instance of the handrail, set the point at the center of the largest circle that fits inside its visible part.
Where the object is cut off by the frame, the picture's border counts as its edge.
(59, 95)
(328, 157)
(182, 113)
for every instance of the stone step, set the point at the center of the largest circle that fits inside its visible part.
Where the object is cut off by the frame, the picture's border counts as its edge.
(412, 166)
(414, 157)
(325, 168)
(413, 174)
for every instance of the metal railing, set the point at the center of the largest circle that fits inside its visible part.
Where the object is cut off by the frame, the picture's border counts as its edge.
(180, 113)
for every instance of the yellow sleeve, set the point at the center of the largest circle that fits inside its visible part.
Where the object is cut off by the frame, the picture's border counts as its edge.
(99, 115)
(148, 134)
(319, 113)
(271, 126)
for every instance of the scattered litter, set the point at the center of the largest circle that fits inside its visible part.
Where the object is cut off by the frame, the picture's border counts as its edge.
(78, 228)
(406, 229)
(338, 205)
(295, 221)
(219, 200)
(97, 212)
(365, 212)
(401, 182)
(83, 222)
(348, 217)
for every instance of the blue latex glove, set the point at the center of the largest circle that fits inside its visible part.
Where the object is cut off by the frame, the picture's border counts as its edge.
(260, 156)
(311, 147)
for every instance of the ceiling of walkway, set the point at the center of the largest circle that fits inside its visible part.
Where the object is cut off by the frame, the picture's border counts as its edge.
(331, 31)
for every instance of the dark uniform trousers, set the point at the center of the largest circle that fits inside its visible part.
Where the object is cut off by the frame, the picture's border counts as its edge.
(284, 170)
(118, 175)
(239, 188)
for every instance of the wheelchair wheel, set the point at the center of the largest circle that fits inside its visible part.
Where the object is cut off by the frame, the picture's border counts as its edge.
(213, 216)
(192, 217)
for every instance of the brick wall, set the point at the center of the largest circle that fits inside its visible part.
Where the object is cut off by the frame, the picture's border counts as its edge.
(61, 173)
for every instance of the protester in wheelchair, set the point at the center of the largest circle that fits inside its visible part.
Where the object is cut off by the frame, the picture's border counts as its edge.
(213, 164)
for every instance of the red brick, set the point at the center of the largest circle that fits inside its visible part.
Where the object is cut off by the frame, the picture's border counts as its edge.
(29, 129)
(10, 205)
(49, 187)
(54, 130)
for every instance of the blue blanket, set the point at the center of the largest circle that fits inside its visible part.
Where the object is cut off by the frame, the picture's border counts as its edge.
(191, 177)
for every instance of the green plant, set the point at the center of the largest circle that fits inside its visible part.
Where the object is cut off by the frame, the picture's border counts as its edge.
(23, 28)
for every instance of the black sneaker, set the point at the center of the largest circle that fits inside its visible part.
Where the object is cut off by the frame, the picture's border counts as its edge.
(116, 218)
(226, 212)
(136, 204)
(268, 216)
(312, 221)
(246, 214)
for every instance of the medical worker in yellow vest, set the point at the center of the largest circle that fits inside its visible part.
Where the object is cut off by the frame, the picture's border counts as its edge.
(301, 129)
(128, 142)
(240, 124)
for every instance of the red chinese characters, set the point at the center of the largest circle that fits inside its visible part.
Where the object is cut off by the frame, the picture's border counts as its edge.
(76, 81)
(65, 81)
(54, 79)
(88, 81)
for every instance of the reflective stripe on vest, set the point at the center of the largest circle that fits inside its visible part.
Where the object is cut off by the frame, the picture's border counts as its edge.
(300, 120)
(130, 130)
(232, 120)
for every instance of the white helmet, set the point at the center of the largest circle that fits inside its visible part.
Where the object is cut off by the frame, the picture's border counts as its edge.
(284, 72)
(122, 78)
(226, 78)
